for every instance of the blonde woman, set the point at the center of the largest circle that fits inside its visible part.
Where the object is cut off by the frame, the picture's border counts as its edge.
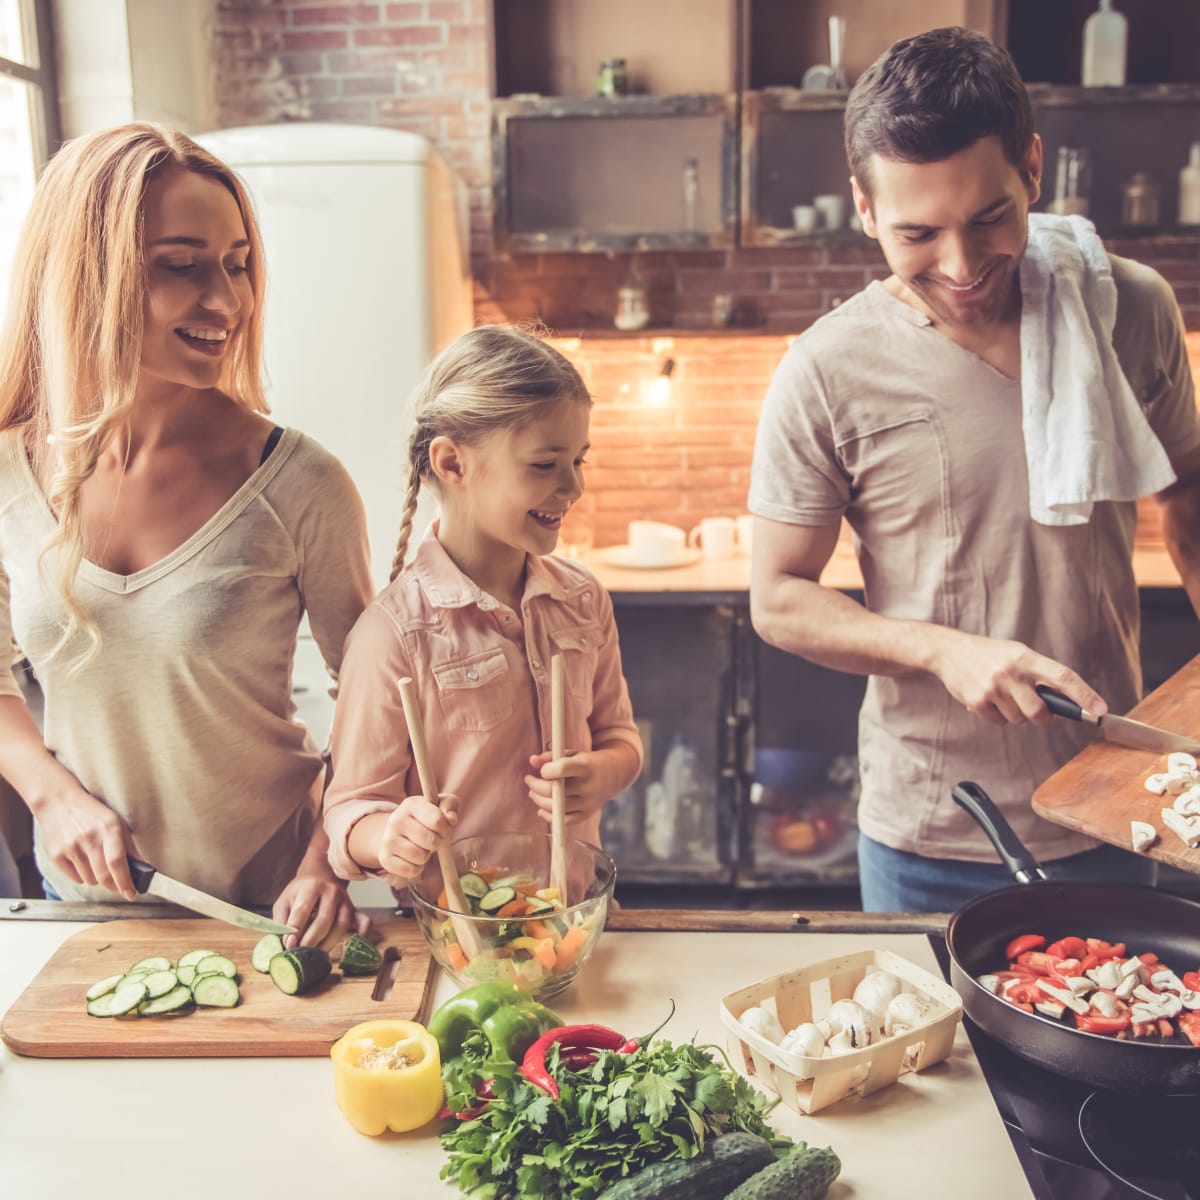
(500, 434)
(160, 540)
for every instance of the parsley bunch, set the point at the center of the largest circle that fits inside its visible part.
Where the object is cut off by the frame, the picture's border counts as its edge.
(613, 1118)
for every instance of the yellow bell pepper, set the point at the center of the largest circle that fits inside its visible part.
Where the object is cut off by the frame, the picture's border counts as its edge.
(387, 1075)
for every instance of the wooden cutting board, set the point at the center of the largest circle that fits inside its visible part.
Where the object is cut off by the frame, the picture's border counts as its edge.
(49, 1018)
(1103, 788)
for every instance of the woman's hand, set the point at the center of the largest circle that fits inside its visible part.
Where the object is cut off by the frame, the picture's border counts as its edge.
(592, 778)
(86, 840)
(411, 834)
(317, 905)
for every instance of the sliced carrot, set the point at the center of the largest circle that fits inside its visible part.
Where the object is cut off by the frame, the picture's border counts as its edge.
(539, 929)
(456, 957)
(544, 954)
(443, 901)
(514, 908)
(572, 943)
(488, 873)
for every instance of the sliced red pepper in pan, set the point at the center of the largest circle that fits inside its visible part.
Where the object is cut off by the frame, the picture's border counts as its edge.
(1189, 1024)
(1102, 949)
(1095, 1023)
(1027, 941)
(1038, 962)
(1191, 981)
(1068, 947)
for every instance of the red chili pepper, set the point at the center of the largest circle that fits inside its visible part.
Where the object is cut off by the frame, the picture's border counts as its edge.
(1027, 941)
(581, 1037)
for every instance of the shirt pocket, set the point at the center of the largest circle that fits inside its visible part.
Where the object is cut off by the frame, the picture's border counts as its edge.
(580, 648)
(475, 692)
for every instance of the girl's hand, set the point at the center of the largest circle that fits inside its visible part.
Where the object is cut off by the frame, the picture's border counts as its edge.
(317, 904)
(587, 783)
(87, 841)
(412, 832)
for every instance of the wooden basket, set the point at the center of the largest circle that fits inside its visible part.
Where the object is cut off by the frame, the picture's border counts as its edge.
(808, 994)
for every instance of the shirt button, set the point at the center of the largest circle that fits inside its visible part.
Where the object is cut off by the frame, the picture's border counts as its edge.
(472, 675)
(507, 619)
(537, 664)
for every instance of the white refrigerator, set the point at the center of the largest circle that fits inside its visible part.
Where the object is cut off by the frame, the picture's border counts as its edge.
(368, 276)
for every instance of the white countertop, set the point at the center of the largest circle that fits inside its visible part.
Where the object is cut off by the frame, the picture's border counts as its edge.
(109, 1129)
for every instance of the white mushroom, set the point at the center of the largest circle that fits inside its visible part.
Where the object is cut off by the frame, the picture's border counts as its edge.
(1106, 975)
(1167, 981)
(906, 1012)
(1177, 784)
(1106, 1004)
(1188, 828)
(989, 983)
(874, 992)
(848, 1016)
(764, 1023)
(1156, 784)
(842, 1043)
(1143, 835)
(806, 1040)
(1188, 802)
(1050, 1008)
(1181, 763)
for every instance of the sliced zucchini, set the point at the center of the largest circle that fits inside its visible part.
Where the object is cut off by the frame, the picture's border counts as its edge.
(265, 949)
(170, 1001)
(159, 983)
(496, 899)
(359, 957)
(113, 1004)
(194, 956)
(474, 885)
(215, 964)
(298, 970)
(150, 964)
(215, 991)
(104, 987)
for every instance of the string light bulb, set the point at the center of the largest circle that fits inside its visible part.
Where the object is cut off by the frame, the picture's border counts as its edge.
(659, 392)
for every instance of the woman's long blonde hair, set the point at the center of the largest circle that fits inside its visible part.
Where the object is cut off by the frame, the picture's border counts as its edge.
(494, 378)
(71, 346)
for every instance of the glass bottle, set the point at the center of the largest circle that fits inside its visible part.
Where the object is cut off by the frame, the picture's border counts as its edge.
(612, 79)
(1189, 188)
(1139, 201)
(1104, 38)
(691, 195)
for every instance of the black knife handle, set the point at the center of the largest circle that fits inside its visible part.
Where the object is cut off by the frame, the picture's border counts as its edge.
(1062, 706)
(142, 873)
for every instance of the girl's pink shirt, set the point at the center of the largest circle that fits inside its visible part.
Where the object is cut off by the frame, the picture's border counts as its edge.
(483, 679)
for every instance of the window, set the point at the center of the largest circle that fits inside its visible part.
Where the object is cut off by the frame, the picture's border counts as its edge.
(28, 118)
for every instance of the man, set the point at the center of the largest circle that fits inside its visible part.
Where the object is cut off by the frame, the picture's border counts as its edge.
(902, 411)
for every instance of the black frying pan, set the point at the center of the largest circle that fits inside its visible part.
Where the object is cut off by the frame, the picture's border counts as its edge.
(1141, 917)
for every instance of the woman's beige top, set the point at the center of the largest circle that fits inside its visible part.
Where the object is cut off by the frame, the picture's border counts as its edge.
(184, 722)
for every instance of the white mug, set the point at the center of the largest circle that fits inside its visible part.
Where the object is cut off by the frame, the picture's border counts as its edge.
(654, 541)
(832, 208)
(715, 537)
(745, 532)
(804, 218)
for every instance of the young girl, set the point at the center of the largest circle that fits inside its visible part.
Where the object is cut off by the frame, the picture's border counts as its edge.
(501, 429)
(160, 539)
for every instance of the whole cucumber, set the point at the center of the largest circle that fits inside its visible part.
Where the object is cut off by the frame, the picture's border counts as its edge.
(804, 1174)
(732, 1158)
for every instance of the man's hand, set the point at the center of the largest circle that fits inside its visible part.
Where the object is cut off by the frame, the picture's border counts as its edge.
(995, 679)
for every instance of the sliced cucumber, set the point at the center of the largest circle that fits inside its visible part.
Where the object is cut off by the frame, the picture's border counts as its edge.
(170, 1001)
(186, 973)
(541, 908)
(159, 983)
(113, 1004)
(194, 956)
(215, 991)
(215, 964)
(474, 885)
(265, 949)
(104, 987)
(359, 957)
(298, 970)
(150, 964)
(496, 899)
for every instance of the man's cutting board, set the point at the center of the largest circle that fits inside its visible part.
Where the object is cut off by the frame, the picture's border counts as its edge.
(1103, 788)
(49, 1019)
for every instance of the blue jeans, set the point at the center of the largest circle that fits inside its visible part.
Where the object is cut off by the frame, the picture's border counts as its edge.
(897, 881)
(48, 890)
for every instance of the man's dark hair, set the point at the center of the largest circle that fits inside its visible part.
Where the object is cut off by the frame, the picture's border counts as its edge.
(930, 96)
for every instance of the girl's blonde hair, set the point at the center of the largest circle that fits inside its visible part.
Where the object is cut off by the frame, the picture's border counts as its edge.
(492, 379)
(71, 346)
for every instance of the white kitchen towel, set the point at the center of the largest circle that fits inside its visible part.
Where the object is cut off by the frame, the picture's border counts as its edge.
(1086, 437)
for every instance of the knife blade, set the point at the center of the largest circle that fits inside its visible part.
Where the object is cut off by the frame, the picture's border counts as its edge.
(1119, 730)
(149, 879)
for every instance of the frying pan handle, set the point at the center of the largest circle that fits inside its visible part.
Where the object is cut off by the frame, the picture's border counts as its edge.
(1063, 706)
(982, 808)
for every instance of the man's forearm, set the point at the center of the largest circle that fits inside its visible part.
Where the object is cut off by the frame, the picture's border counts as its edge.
(830, 629)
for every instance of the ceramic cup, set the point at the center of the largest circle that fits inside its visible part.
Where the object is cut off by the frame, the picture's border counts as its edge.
(745, 532)
(715, 536)
(804, 218)
(832, 210)
(654, 541)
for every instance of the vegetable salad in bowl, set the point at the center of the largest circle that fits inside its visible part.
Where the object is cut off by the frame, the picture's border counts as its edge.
(525, 931)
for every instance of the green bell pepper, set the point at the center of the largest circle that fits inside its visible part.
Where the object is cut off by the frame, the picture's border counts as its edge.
(501, 1020)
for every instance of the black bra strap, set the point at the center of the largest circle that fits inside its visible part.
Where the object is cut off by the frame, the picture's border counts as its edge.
(272, 441)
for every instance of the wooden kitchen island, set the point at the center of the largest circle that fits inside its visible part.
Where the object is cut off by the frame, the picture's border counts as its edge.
(108, 1129)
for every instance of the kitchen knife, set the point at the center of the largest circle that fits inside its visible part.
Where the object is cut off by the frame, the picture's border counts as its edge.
(1120, 730)
(147, 879)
